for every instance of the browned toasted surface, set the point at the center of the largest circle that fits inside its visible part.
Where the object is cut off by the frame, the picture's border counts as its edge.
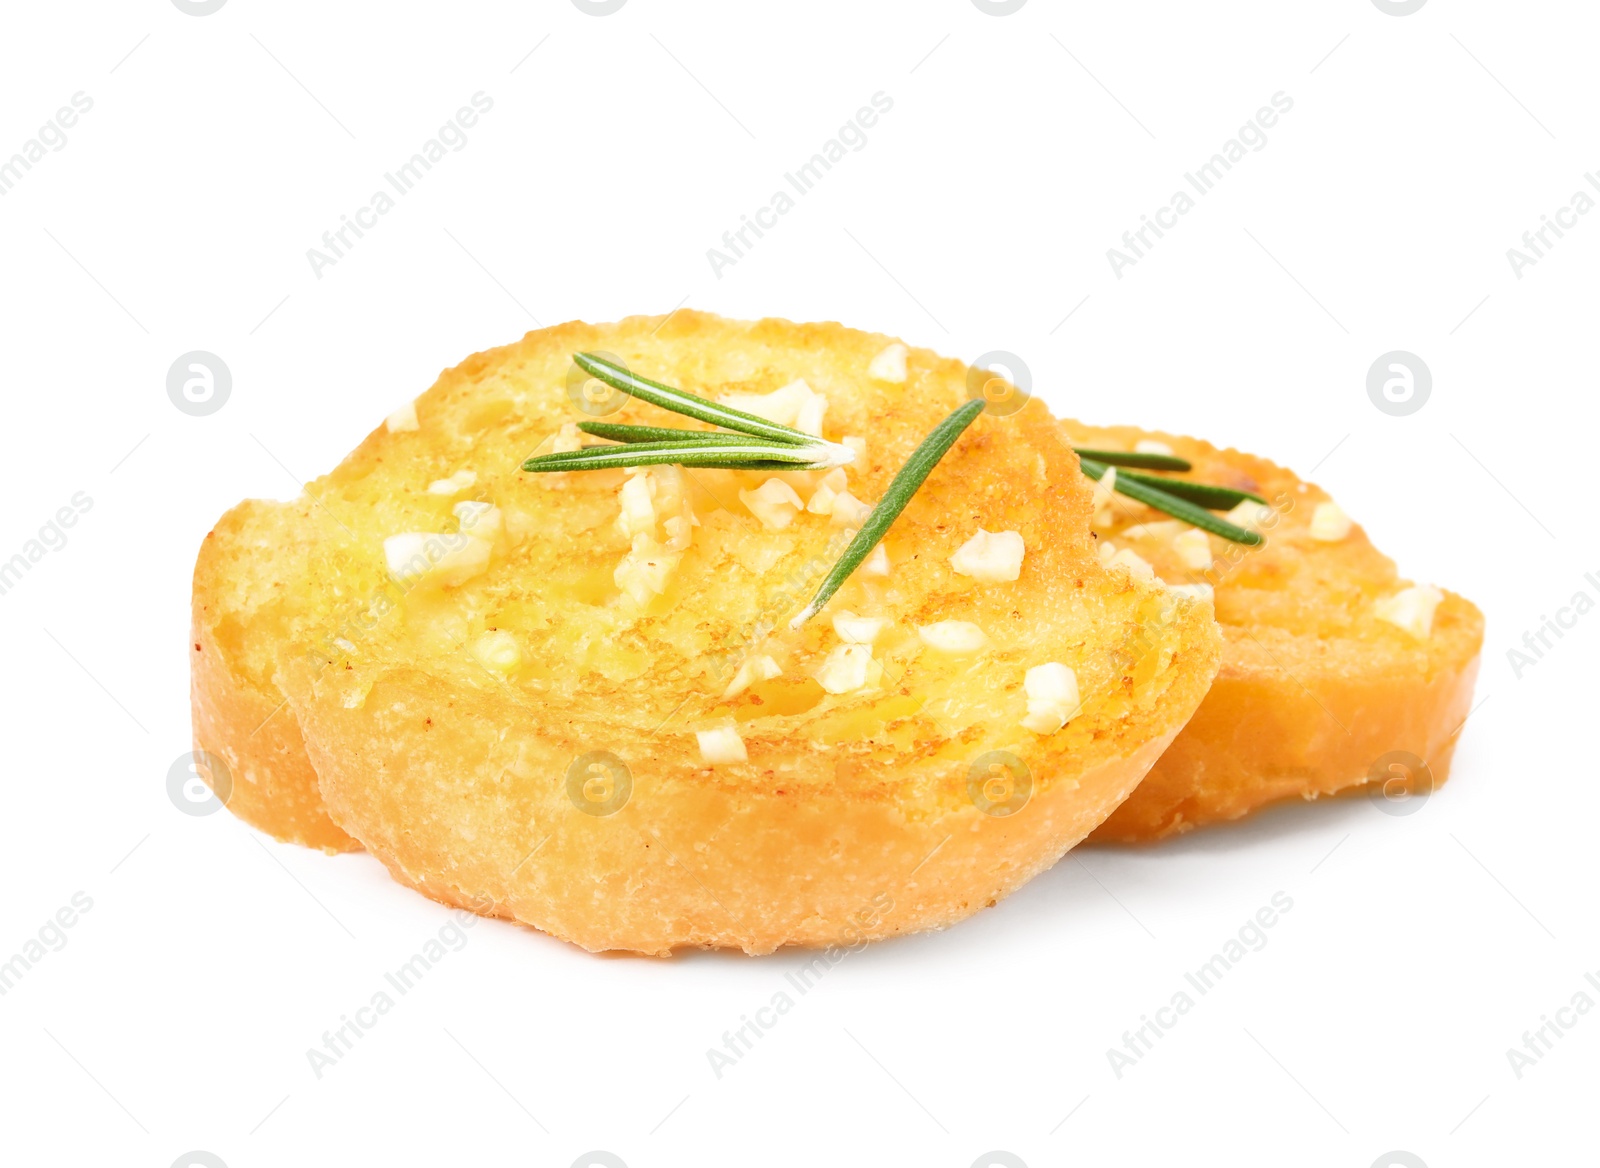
(1314, 688)
(852, 814)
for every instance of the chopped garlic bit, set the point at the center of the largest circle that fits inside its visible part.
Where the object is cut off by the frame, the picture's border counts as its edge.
(796, 404)
(889, 365)
(847, 668)
(859, 445)
(567, 439)
(1151, 446)
(773, 502)
(479, 520)
(722, 744)
(646, 570)
(1329, 523)
(990, 556)
(953, 636)
(857, 630)
(446, 559)
(827, 491)
(752, 670)
(1193, 548)
(453, 485)
(405, 418)
(876, 564)
(1106, 550)
(443, 558)
(637, 497)
(1052, 691)
(1131, 560)
(1104, 489)
(849, 511)
(1249, 514)
(1410, 609)
(497, 650)
(1194, 591)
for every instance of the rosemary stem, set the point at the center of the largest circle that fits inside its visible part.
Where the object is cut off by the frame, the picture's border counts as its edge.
(1172, 505)
(906, 483)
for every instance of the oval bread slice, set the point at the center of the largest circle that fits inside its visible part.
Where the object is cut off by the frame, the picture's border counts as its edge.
(1318, 682)
(600, 723)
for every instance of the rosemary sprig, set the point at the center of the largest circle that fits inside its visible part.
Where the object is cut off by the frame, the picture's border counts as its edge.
(689, 404)
(618, 432)
(905, 484)
(1172, 505)
(746, 455)
(1211, 497)
(1143, 461)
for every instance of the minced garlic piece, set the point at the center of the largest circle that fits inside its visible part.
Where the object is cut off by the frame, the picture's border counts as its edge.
(846, 669)
(453, 485)
(497, 650)
(1151, 446)
(1249, 514)
(445, 559)
(1052, 691)
(1194, 592)
(722, 744)
(876, 564)
(773, 502)
(1194, 549)
(794, 404)
(859, 445)
(953, 636)
(637, 497)
(889, 365)
(1410, 609)
(645, 571)
(1329, 523)
(752, 670)
(857, 630)
(448, 560)
(479, 520)
(1131, 560)
(1106, 550)
(849, 511)
(989, 556)
(405, 418)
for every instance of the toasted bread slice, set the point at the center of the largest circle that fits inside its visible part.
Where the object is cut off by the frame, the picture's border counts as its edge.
(551, 721)
(1316, 685)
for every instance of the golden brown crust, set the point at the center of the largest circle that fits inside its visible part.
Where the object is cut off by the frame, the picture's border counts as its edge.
(456, 779)
(246, 721)
(1313, 688)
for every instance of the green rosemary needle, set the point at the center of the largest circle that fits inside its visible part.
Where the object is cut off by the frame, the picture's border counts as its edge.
(1144, 461)
(689, 404)
(747, 455)
(1172, 505)
(906, 483)
(1211, 497)
(618, 432)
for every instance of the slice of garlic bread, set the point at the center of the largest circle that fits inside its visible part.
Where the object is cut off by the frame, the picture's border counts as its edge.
(576, 698)
(1331, 660)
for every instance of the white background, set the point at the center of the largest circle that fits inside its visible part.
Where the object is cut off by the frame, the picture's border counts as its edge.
(177, 217)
